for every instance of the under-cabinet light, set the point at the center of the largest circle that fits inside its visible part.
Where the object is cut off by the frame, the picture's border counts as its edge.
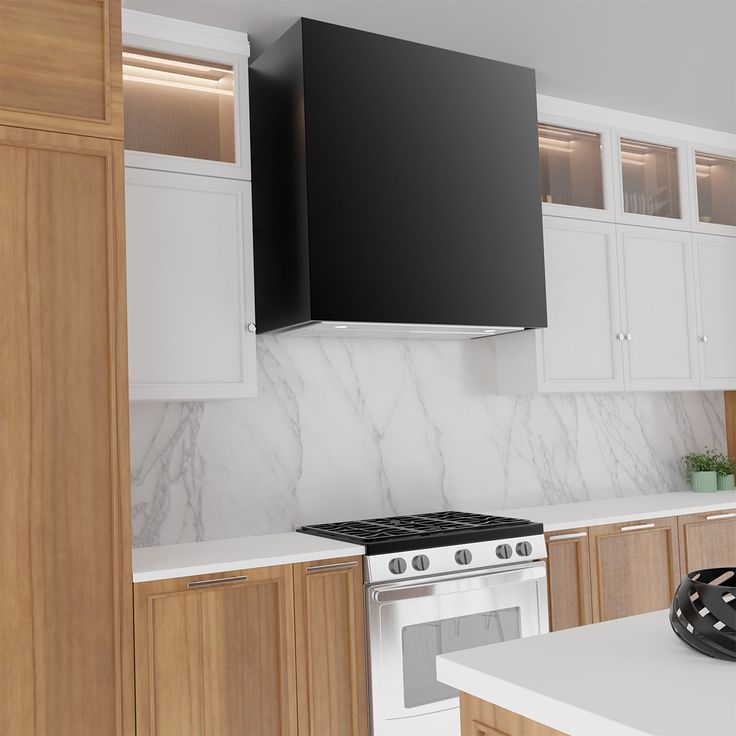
(163, 61)
(341, 327)
(554, 144)
(178, 85)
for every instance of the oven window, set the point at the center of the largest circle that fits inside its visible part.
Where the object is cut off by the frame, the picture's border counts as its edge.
(421, 643)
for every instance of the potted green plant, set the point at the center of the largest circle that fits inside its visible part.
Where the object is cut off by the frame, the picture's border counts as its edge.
(702, 470)
(725, 468)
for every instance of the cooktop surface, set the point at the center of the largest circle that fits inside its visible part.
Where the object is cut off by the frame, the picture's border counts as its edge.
(398, 533)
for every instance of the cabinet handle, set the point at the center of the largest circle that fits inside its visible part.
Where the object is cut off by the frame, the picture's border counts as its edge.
(251, 327)
(720, 516)
(704, 338)
(628, 337)
(332, 566)
(216, 581)
(573, 535)
(637, 526)
(620, 337)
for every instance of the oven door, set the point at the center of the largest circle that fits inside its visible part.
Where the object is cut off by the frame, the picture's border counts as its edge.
(410, 623)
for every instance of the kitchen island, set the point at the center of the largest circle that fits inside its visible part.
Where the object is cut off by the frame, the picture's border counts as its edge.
(628, 677)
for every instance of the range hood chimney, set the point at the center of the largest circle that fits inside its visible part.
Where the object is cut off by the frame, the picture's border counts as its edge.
(395, 189)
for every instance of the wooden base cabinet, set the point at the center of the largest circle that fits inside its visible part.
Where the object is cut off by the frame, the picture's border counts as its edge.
(480, 718)
(707, 540)
(215, 654)
(568, 568)
(635, 567)
(330, 640)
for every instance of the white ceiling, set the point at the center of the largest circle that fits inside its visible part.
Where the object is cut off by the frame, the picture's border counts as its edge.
(673, 59)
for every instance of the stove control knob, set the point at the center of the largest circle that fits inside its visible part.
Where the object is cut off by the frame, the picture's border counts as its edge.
(420, 562)
(503, 551)
(524, 549)
(397, 566)
(463, 557)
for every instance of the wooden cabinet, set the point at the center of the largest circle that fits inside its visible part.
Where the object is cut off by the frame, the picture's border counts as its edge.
(568, 569)
(215, 654)
(60, 66)
(65, 612)
(481, 718)
(707, 540)
(190, 286)
(715, 258)
(330, 641)
(635, 567)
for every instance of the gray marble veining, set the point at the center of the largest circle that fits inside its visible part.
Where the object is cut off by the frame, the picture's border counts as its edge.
(355, 428)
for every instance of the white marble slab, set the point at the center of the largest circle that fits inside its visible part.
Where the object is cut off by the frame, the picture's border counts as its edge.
(630, 677)
(615, 510)
(344, 429)
(225, 555)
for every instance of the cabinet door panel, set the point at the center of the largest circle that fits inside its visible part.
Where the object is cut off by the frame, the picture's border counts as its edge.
(330, 639)
(65, 510)
(568, 567)
(716, 261)
(635, 567)
(580, 350)
(218, 657)
(190, 285)
(60, 65)
(707, 540)
(658, 301)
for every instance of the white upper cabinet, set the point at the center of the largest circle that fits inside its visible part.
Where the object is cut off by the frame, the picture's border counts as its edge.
(714, 195)
(185, 90)
(190, 287)
(651, 181)
(575, 169)
(581, 350)
(715, 259)
(658, 309)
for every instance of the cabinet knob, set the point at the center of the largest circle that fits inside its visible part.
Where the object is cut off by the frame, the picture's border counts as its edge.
(628, 337)
(704, 338)
(251, 327)
(620, 337)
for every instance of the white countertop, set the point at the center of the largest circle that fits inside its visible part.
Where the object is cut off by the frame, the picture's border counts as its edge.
(223, 555)
(615, 510)
(629, 677)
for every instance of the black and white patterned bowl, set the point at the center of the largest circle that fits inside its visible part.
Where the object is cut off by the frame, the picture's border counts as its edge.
(703, 612)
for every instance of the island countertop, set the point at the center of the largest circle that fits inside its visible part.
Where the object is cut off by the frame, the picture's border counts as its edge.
(628, 677)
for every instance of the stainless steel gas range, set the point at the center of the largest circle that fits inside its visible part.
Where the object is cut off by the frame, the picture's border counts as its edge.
(437, 583)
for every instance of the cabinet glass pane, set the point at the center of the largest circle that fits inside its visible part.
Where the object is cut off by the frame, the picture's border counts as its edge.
(716, 179)
(650, 179)
(570, 167)
(177, 106)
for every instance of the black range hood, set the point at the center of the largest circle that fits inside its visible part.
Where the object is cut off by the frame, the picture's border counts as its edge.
(395, 188)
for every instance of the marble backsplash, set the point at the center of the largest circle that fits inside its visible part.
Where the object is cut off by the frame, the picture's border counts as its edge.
(346, 429)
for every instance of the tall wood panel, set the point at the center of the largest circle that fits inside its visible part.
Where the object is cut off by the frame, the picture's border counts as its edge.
(61, 66)
(215, 654)
(330, 647)
(730, 399)
(66, 610)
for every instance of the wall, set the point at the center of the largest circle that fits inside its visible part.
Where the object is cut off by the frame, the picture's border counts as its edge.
(345, 429)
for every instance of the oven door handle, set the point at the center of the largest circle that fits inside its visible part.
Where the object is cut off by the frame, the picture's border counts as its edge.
(460, 584)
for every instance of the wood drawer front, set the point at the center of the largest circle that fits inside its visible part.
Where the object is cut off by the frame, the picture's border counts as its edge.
(61, 66)
(568, 568)
(635, 567)
(215, 654)
(707, 540)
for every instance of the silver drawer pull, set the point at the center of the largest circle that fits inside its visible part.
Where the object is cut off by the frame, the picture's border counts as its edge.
(720, 516)
(216, 581)
(333, 566)
(637, 526)
(573, 535)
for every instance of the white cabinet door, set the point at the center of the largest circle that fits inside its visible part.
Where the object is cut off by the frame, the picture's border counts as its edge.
(716, 271)
(190, 286)
(658, 308)
(581, 350)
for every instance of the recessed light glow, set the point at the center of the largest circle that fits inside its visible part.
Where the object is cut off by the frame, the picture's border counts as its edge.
(341, 327)
(490, 332)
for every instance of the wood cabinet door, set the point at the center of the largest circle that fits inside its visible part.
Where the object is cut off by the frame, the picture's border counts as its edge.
(658, 309)
(715, 258)
(215, 654)
(190, 280)
(580, 350)
(61, 66)
(707, 540)
(66, 607)
(330, 638)
(635, 567)
(568, 579)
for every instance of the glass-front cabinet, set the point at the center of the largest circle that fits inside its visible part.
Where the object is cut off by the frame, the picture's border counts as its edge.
(715, 190)
(574, 171)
